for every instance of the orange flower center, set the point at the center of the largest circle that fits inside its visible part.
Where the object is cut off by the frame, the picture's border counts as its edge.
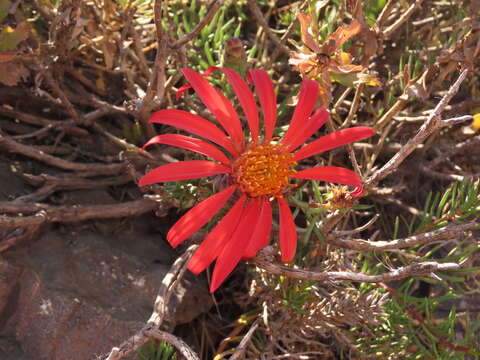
(264, 170)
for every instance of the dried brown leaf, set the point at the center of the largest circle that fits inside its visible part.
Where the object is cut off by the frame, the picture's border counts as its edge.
(344, 33)
(307, 38)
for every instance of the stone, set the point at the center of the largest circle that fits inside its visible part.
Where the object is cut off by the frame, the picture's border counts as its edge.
(75, 293)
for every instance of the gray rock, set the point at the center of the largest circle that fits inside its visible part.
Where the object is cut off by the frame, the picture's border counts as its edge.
(74, 294)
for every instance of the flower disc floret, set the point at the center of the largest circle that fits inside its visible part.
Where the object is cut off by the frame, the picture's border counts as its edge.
(264, 170)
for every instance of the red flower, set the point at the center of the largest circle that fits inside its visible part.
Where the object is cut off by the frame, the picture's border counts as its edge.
(259, 168)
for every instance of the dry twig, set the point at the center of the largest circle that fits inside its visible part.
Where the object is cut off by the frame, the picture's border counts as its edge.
(402, 19)
(261, 20)
(240, 350)
(203, 22)
(10, 145)
(160, 312)
(46, 213)
(433, 123)
(264, 261)
(447, 232)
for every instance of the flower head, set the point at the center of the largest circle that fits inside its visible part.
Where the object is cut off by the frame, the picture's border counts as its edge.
(260, 169)
(326, 62)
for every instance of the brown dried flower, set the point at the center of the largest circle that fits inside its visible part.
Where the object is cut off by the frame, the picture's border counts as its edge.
(327, 62)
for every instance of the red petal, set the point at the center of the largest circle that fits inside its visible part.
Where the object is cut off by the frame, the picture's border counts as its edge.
(194, 124)
(333, 174)
(305, 131)
(216, 239)
(217, 104)
(198, 216)
(245, 95)
(234, 249)
(357, 192)
(288, 232)
(266, 95)
(183, 170)
(306, 102)
(333, 140)
(181, 90)
(261, 235)
(191, 144)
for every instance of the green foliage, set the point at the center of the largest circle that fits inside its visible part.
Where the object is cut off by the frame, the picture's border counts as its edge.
(413, 328)
(155, 350)
(459, 203)
(372, 9)
(208, 48)
(187, 193)
(132, 132)
(296, 294)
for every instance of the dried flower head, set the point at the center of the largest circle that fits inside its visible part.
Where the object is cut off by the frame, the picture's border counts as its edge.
(327, 62)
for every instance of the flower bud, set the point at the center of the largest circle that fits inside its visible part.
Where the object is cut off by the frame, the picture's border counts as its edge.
(235, 57)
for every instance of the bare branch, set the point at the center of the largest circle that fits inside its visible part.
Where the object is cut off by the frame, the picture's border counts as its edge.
(60, 93)
(169, 283)
(181, 346)
(52, 184)
(359, 229)
(40, 121)
(217, 4)
(15, 238)
(433, 123)
(403, 18)
(239, 351)
(263, 261)
(161, 309)
(387, 9)
(448, 232)
(156, 84)
(8, 144)
(261, 20)
(46, 213)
